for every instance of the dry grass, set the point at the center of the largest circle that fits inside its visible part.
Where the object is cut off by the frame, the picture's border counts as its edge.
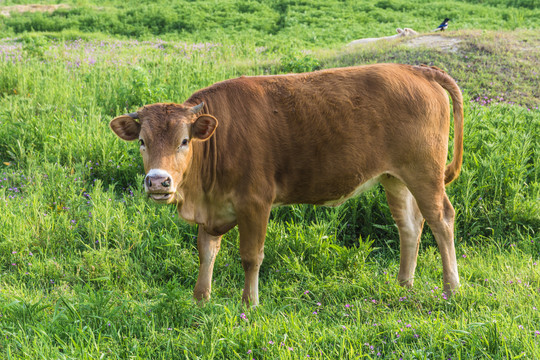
(8, 10)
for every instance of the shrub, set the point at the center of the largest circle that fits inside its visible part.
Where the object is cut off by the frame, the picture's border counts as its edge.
(299, 63)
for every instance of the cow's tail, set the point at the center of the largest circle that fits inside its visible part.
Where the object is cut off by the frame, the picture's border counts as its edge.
(442, 78)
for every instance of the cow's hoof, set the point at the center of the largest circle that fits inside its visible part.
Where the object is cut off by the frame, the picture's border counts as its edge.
(201, 297)
(407, 283)
(451, 289)
(249, 303)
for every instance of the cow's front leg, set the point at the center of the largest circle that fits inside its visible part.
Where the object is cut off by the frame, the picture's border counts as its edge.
(252, 227)
(208, 246)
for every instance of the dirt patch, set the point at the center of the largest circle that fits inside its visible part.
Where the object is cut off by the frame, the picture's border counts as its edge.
(7, 10)
(443, 43)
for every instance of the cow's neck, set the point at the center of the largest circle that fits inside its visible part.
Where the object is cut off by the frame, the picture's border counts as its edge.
(199, 180)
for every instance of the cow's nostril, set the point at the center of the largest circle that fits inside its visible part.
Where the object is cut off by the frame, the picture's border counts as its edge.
(166, 183)
(148, 182)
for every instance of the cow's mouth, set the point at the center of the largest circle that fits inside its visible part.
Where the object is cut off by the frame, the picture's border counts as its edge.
(161, 197)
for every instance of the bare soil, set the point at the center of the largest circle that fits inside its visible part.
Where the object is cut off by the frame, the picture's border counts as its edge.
(435, 41)
(8, 10)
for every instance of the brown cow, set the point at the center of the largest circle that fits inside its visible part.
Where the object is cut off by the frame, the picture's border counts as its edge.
(317, 138)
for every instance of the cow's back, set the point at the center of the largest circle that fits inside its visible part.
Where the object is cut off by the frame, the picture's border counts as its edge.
(316, 137)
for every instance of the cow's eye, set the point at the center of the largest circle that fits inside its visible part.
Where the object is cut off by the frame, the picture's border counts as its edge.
(141, 141)
(183, 145)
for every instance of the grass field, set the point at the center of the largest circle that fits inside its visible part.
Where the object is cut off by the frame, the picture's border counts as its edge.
(90, 269)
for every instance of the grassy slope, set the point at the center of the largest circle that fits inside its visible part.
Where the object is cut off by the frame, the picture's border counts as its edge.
(89, 268)
(280, 23)
(504, 64)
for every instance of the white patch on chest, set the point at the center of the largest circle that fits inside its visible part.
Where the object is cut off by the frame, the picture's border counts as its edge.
(208, 215)
(360, 189)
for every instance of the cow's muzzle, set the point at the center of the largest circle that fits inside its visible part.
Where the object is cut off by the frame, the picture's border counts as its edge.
(159, 185)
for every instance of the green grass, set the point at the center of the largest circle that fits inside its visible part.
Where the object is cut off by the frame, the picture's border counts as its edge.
(279, 24)
(90, 269)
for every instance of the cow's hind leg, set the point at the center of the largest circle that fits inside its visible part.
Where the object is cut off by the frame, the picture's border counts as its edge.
(409, 221)
(208, 247)
(439, 214)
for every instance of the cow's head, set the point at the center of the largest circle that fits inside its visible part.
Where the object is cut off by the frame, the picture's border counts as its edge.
(165, 133)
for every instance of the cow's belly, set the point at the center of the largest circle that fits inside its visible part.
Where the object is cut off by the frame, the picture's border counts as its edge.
(318, 198)
(357, 191)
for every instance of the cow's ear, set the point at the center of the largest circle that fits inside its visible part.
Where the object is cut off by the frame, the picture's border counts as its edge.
(203, 127)
(125, 127)
(399, 30)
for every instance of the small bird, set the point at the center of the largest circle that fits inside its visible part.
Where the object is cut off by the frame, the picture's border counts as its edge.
(443, 25)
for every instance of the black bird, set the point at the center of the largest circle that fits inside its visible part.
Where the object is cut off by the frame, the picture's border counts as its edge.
(443, 25)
